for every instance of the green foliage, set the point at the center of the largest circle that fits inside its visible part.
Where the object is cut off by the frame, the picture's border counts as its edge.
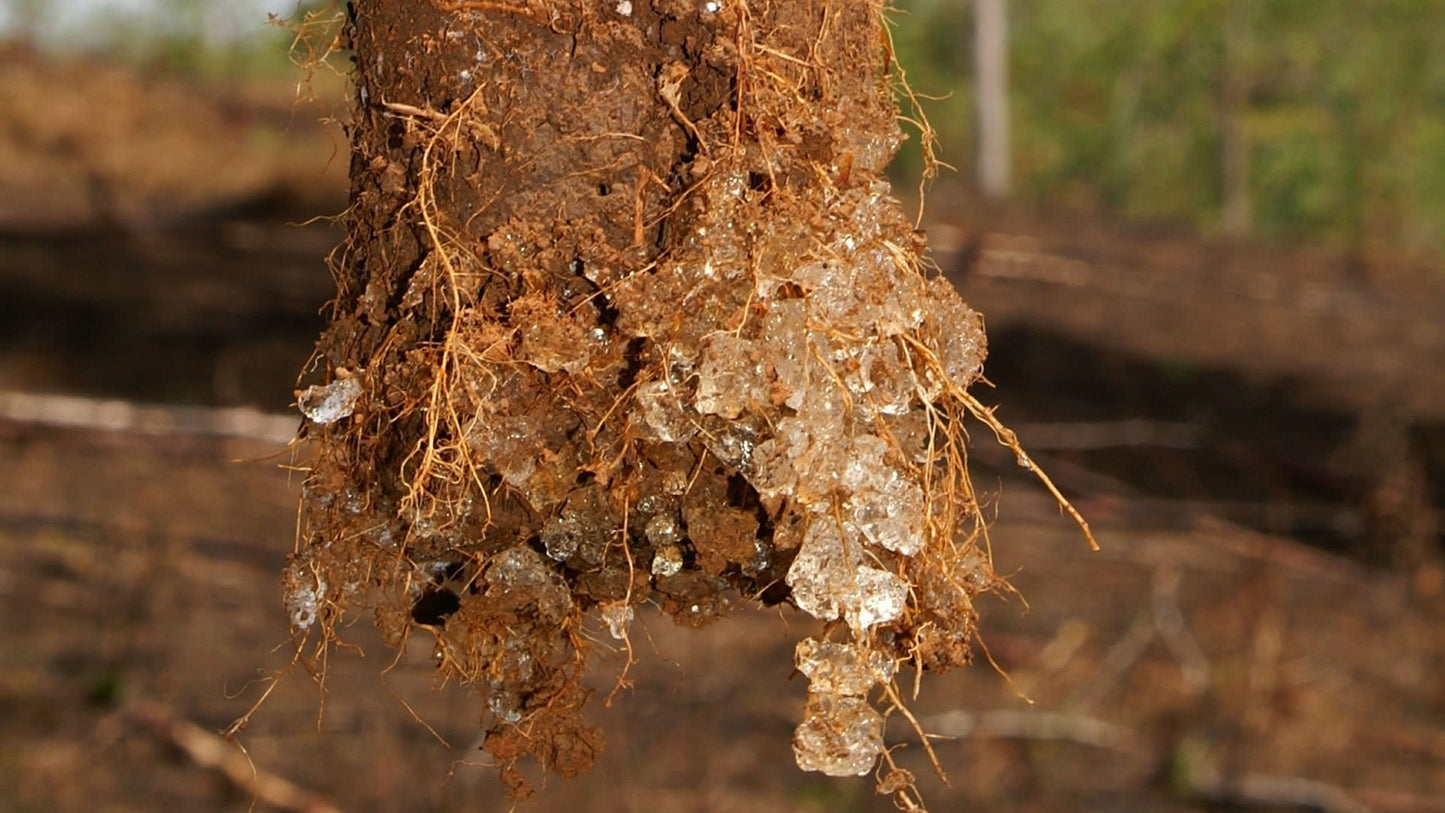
(1117, 106)
(199, 38)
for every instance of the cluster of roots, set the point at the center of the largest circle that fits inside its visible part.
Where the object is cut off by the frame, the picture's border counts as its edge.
(628, 315)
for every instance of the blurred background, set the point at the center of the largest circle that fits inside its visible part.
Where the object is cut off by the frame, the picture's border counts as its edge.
(1207, 237)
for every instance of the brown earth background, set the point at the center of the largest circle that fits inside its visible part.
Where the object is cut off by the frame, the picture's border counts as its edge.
(1255, 432)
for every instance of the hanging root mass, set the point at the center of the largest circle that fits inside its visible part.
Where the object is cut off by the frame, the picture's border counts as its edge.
(627, 314)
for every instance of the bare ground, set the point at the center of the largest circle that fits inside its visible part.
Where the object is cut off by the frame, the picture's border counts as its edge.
(1207, 656)
(139, 591)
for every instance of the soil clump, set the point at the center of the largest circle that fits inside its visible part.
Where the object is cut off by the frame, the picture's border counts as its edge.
(626, 314)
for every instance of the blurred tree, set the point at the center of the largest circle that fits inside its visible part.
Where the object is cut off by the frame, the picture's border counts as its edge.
(1236, 212)
(190, 37)
(26, 16)
(1301, 119)
(990, 60)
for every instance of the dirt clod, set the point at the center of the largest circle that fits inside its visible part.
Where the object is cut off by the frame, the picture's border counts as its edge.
(638, 320)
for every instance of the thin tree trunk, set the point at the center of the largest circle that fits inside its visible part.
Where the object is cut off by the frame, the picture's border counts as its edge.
(1236, 209)
(990, 21)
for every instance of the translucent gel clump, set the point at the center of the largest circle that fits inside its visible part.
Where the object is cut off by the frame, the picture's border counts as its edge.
(822, 575)
(663, 530)
(785, 329)
(806, 453)
(504, 703)
(886, 506)
(667, 561)
(839, 736)
(522, 571)
(617, 615)
(330, 403)
(841, 733)
(955, 332)
(828, 580)
(518, 568)
(832, 291)
(730, 377)
(879, 598)
(841, 669)
(509, 669)
(665, 535)
(550, 346)
(303, 601)
(663, 414)
(882, 381)
(575, 537)
(509, 443)
(734, 446)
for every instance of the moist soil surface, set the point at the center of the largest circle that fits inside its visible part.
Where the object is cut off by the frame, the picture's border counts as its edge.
(1266, 607)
